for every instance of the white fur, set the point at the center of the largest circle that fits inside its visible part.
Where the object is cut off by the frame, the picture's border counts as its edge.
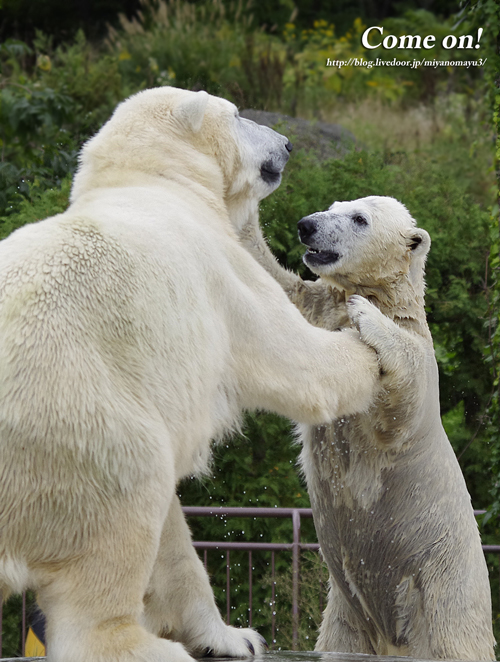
(134, 329)
(390, 505)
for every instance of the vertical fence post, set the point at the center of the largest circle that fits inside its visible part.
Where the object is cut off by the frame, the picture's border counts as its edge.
(23, 633)
(295, 577)
(1, 620)
(228, 589)
(250, 577)
(321, 589)
(273, 601)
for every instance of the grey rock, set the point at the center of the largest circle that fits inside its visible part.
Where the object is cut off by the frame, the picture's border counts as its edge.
(326, 140)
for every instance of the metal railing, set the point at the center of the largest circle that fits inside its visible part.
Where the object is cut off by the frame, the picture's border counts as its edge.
(296, 546)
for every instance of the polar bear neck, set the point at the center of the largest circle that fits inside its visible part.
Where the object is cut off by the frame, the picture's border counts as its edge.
(396, 297)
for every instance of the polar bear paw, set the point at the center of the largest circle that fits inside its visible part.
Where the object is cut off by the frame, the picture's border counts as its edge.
(235, 642)
(364, 315)
(375, 329)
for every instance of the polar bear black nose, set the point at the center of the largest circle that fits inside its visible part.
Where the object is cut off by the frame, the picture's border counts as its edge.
(289, 146)
(306, 227)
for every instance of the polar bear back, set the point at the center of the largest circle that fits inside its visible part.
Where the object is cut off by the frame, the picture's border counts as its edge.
(78, 281)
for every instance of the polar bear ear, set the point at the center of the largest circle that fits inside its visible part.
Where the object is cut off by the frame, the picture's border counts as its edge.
(419, 242)
(191, 111)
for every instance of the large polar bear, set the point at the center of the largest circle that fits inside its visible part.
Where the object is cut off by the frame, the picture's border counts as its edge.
(390, 505)
(134, 328)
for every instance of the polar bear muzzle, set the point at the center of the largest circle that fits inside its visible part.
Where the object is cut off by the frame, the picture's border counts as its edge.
(270, 172)
(308, 233)
(272, 168)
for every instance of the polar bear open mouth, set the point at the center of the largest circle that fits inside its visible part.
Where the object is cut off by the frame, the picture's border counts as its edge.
(270, 172)
(314, 257)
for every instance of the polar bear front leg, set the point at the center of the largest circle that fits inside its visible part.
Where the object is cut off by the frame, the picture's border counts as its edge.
(407, 364)
(376, 330)
(179, 602)
(253, 240)
(399, 352)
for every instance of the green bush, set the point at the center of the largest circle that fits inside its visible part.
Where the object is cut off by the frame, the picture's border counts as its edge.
(53, 98)
(40, 203)
(182, 44)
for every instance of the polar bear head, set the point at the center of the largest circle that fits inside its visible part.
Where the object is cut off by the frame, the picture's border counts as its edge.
(369, 242)
(168, 133)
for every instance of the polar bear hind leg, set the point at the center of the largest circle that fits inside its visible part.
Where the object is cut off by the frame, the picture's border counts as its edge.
(103, 626)
(339, 631)
(179, 602)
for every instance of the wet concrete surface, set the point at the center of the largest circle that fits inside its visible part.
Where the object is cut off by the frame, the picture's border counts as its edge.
(311, 656)
(283, 656)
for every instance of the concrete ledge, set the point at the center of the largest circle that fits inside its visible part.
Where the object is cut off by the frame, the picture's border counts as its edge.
(284, 656)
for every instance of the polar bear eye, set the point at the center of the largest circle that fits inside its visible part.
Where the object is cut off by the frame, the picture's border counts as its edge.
(359, 219)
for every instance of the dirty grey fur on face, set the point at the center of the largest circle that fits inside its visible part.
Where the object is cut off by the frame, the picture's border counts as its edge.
(390, 504)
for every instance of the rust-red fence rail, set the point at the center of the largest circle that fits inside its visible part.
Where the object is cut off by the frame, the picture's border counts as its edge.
(296, 546)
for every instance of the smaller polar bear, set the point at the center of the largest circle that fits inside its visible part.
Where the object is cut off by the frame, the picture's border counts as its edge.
(391, 508)
(135, 329)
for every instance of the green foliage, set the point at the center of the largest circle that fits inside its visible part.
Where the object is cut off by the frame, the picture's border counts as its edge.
(178, 43)
(12, 624)
(254, 469)
(40, 204)
(426, 82)
(53, 98)
(34, 148)
(313, 596)
(88, 78)
(487, 13)
(50, 100)
(306, 77)
(11, 627)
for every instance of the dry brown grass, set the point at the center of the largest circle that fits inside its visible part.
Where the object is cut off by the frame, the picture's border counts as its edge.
(382, 126)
